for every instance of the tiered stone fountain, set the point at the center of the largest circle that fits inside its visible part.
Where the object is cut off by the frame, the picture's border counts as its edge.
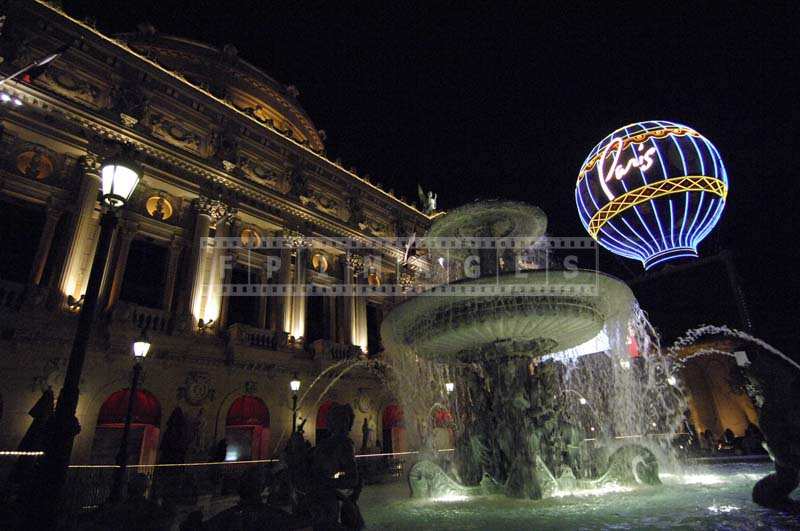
(491, 331)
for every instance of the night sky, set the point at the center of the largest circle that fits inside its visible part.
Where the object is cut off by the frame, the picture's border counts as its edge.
(505, 100)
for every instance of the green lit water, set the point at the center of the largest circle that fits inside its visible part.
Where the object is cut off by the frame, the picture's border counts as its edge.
(702, 497)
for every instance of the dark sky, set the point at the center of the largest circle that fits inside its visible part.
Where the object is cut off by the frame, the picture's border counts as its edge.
(505, 100)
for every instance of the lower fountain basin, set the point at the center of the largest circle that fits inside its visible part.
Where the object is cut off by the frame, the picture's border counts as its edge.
(702, 497)
(529, 315)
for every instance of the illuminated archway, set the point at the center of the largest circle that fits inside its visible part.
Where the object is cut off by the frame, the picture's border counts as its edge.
(394, 430)
(247, 432)
(145, 428)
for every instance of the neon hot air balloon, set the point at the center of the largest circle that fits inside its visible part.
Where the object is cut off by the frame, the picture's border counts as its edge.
(652, 191)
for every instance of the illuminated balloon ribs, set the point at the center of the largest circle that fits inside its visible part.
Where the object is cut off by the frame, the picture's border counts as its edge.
(652, 191)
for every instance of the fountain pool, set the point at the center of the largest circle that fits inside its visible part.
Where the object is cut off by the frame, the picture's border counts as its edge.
(700, 497)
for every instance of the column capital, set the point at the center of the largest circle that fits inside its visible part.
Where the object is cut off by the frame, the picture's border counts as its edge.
(214, 208)
(90, 165)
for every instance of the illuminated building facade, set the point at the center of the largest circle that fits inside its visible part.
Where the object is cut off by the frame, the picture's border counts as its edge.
(226, 151)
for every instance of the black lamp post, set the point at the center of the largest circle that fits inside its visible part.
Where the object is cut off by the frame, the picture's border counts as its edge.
(119, 178)
(294, 385)
(140, 349)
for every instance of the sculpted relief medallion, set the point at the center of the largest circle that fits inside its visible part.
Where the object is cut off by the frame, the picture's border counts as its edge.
(35, 164)
(173, 133)
(72, 87)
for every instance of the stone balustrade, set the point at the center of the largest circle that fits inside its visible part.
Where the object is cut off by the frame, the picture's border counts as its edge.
(246, 335)
(330, 350)
(140, 317)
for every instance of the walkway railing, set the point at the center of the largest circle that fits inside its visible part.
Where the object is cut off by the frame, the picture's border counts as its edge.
(88, 486)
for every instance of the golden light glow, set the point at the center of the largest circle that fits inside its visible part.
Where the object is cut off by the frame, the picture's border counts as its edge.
(676, 185)
(320, 262)
(159, 207)
(250, 237)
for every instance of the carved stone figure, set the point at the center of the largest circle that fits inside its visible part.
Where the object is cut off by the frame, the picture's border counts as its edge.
(225, 145)
(428, 201)
(319, 475)
(298, 182)
(357, 216)
(772, 385)
(130, 102)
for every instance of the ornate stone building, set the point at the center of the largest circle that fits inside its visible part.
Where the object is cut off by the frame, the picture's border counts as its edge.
(226, 151)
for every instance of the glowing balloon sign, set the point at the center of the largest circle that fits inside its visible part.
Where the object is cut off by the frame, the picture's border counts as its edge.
(652, 191)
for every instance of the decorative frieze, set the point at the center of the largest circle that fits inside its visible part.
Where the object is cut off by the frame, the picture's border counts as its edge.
(73, 87)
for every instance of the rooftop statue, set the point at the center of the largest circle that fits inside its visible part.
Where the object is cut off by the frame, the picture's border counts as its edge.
(428, 201)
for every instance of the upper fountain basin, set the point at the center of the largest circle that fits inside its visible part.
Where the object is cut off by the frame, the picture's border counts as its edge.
(509, 315)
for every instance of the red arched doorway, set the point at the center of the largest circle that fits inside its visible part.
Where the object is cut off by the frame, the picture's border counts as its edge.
(394, 430)
(247, 430)
(323, 431)
(145, 423)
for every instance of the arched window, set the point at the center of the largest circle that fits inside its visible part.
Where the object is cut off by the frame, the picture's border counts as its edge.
(145, 428)
(247, 432)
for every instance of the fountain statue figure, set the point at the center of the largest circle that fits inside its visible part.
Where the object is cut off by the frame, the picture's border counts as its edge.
(771, 380)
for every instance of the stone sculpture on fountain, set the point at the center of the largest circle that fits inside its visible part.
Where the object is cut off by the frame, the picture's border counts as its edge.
(319, 475)
(774, 386)
(771, 380)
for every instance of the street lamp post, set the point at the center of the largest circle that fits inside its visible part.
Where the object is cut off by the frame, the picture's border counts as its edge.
(119, 178)
(294, 385)
(140, 349)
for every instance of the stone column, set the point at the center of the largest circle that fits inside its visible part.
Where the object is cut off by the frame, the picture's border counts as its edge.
(224, 268)
(80, 249)
(263, 299)
(358, 317)
(345, 315)
(176, 246)
(125, 235)
(298, 323)
(45, 243)
(194, 277)
(281, 303)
